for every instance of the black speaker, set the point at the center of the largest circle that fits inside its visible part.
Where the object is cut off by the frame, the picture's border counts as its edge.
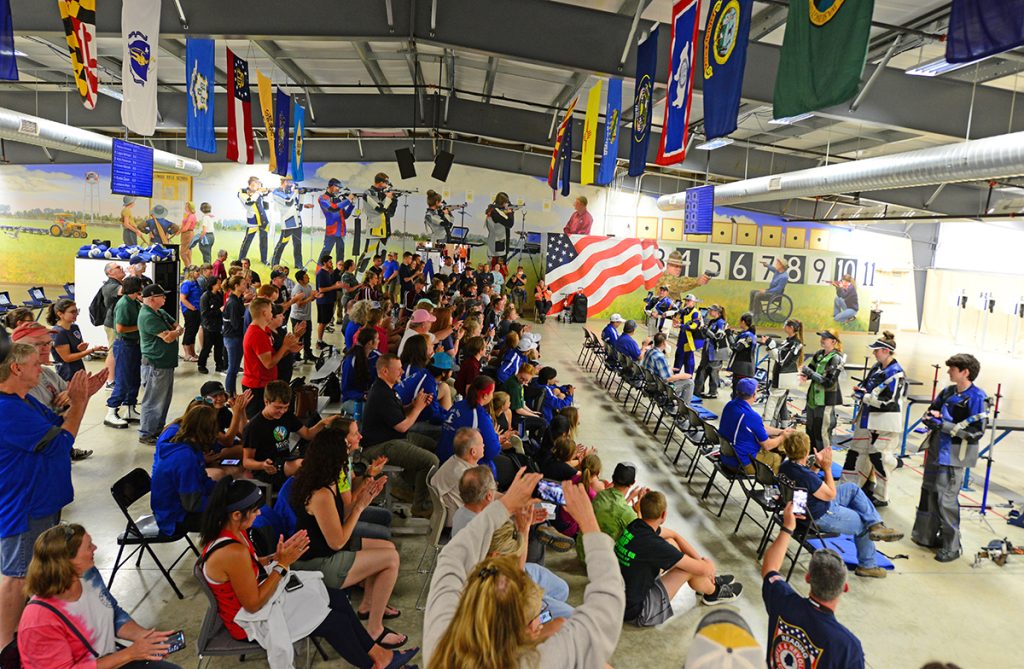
(406, 163)
(442, 165)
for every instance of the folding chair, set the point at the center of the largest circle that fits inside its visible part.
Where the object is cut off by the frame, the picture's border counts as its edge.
(594, 348)
(609, 368)
(762, 491)
(633, 380)
(438, 521)
(144, 532)
(69, 291)
(706, 447)
(583, 348)
(649, 391)
(666, 403)
(692, 427)
(728, 472)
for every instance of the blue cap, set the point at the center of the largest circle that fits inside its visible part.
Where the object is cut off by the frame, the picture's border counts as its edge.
(746, 387)
(442, 360)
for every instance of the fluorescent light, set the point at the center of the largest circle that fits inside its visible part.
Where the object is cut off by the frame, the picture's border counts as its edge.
(934, 68)
(716, 143)
(790, 120)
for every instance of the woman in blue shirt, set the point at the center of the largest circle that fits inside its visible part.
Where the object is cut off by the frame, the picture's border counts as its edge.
(180, 484)
(190, 294)
(359, 369)
(472, 412)
(68, 348)
(421, 375)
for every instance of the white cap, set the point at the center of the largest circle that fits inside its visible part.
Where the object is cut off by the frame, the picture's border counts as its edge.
(616, 318)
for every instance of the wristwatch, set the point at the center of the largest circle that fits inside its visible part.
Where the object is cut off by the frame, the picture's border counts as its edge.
(281, 570)
(787, 530)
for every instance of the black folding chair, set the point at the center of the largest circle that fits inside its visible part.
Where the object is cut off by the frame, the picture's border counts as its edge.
(706, 447)
(806, 528)
(142, 533)
(762, 491)
(728, 472)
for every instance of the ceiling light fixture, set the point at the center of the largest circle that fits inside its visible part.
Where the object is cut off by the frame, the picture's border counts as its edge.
(934, 68)
(790, 120)
(716, 143)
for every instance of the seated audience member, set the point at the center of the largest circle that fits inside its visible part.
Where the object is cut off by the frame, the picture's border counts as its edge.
(231, 417)
(469, 448)
(472, 412)
(743, 426)
(375, 521)
(242, 585)
(359, 314)
(470, 591)
(656, 562)
(532, 421)
(359, 369)
(386, 423)
(320, 511)
(655, 362)
(472, 350)
(844, 509)
(500, 409)
(804, 631)
(510, 539)
(610, 333)
(268, 450)
(63, 577)
(510, 358)
(564, 461)
(556, 397)
(180, 484)
(419, 324)
(589, 475)
(626, 345)
(618, 505)
(477, 489)
(420, 376)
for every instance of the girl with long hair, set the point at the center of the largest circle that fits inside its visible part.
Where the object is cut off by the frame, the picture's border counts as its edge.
(180, 483)
(823, 393)
(359, 369)
(69, 350)
(787, 359)
(744, 349)
(589, 476)
(471, 411)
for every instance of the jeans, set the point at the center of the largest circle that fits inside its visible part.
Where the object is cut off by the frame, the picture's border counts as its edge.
(334, 246)
(234, 349)
(841, 313)
(157, 400)
(556, 591)
(851, 512)
(127, 374)
(414, 459)
(307, 338)
(342, 629)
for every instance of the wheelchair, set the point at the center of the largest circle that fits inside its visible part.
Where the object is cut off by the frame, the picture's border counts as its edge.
(776, 308)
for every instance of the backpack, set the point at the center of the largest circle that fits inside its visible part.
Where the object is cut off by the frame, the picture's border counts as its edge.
(98, 308)
(579, 308)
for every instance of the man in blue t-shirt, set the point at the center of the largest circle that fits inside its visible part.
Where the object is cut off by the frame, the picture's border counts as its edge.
(804, 632)
(610, 333)
(627, 345)
(743, 427)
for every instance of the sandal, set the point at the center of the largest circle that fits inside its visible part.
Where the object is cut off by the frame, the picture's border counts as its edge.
(399, 660)
(390, 613)
(390, 646)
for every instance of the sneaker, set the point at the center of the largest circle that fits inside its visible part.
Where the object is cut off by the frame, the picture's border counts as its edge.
(132, 415)
(108, 386)
(947, 556)
(724, 579)
(879, 532)
(79, 454)
(203, 370)
(147, 439)
(114, 420)
(870, 572)
(723, 593)
(557, 541)
(878, 503)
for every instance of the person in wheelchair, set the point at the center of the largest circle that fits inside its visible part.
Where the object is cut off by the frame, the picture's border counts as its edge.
(776, 287)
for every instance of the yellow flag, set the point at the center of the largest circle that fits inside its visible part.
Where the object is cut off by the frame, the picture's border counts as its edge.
(590, 135)
(267, 108)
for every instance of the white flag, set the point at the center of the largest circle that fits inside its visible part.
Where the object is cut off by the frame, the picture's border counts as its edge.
(140, 37)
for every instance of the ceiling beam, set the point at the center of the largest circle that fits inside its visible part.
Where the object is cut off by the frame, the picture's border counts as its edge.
(570, 90)
(283, 63)
(372, 67)
(767, 21)
(492, 73)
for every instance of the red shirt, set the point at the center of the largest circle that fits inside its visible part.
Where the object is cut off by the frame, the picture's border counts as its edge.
(382, 339)
(256, 342)
(228, 604)
(579, 223)
(469, 370)
(218, 270)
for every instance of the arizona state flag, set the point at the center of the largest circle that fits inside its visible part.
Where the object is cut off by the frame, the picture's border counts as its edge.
(822, 56)
(79, 17)
(300, 131)
(267, 110)
(725, 56)
(674, 128)
(282, 128)
(643, 103)
(612, 117)
(558, 153)
(590, 135)
(239, 111)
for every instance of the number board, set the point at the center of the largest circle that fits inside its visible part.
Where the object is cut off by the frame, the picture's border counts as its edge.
(845, 266)
(699, 210)
(131, 169)
(796, 266)
(741, 265)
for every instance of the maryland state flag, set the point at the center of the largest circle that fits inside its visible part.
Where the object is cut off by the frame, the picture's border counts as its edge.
(300, 132)
(725, 56)
(823, 54)
(558, 154)
(79, 17)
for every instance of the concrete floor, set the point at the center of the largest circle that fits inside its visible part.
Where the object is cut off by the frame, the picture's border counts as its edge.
(924, 611)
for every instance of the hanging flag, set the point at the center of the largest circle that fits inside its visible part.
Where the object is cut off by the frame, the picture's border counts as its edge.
(239, 111)
(725, 56)
(612, 116)
(558, 152)
(199, 73)
(981, 29)
(566, 157)
(140, 37)
(300, 131)
(643, 102)
(675, 126)
(267, 109)
(282, 128)
(590, 135)
(8, 62)
(79, 17)
(822, 56)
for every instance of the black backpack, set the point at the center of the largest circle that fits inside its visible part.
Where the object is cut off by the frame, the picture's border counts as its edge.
(98, 308)
(579, 308)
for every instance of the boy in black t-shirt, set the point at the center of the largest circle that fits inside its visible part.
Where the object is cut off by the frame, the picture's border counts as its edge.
(656, 562)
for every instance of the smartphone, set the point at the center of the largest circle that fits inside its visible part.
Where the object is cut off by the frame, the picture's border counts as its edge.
(294, 583)
(545, 616)
(230, 462)
(551, 492)
(549, 508)
(175, 642)
(799, 502)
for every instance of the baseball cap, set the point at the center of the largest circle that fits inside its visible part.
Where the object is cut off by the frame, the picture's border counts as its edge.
(275, 274)
(530, 336)
(746, 387)
(32, 329)
(616, 318)
(211, 388)
(630, 326)
(152, 290)
(442, 360)
(624, 474)
(690, 297)
(878, 343)
(422, 316)
(715, 307)
(526, 344)
(723, 640)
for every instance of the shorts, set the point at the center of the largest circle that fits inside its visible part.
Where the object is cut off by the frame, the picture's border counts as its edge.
(335, 567)
(16, 551)
(657, 607)
(325, 313)
(111, 335)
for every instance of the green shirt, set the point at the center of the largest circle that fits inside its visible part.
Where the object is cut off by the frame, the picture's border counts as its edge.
(126, 313)
(159, 353)
(515, 393)
(613, 515)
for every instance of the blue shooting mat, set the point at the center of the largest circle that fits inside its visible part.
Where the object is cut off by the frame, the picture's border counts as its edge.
(697, 406)
(843, 544)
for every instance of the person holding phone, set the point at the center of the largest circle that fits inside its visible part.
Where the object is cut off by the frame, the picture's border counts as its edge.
(843, 508)
(72, 619)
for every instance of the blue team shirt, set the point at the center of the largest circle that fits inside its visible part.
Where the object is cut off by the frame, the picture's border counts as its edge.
(626, 345)
(798, 476)
(324, 278)
(415, 381)
(744, 429)
(192, 292)
(610, 334)
(390, 267)
(463, 415)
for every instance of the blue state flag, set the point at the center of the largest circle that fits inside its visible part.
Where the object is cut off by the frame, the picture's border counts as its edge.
(282, 131)
(674, 128)
(300, 132)
(612, 116)
(982, 29)
(725, 56)
(199, 72)
(8, 62)
(643, 103)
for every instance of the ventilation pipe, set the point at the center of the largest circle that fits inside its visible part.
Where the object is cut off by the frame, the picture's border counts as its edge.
(996, 157)
(26, 129)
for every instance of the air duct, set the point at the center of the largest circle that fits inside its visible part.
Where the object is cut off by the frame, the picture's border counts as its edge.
(26, 129)
(996, 157)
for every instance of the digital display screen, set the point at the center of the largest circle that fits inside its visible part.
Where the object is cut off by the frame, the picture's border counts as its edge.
(533, 238)
(699, 210)
(459, 232)
(131, 169)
